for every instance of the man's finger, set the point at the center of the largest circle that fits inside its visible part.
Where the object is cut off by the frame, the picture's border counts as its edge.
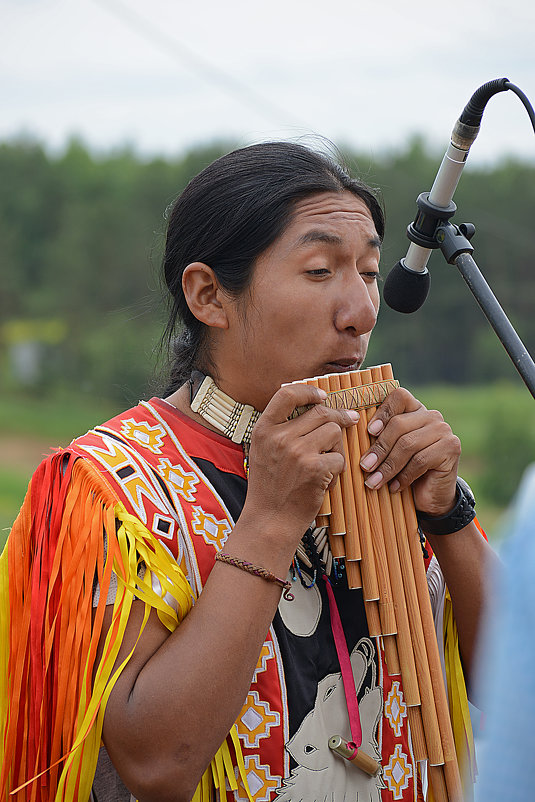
(288, 398)
(396, 403)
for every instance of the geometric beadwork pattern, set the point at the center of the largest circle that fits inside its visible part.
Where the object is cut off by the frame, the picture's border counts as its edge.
(163, 525)
(397, 773)
(213, 531)
(255, 720)
(266, 654)
(184, 482)
(260, 780)
(395, 708)
(150, 437)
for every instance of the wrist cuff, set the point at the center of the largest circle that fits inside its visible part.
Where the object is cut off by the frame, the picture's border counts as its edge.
(462, 513)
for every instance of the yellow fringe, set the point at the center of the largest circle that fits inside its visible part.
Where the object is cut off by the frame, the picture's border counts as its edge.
(458, 702)
(133, 544)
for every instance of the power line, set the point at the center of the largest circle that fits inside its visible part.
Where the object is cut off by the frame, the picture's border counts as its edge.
(203, 67)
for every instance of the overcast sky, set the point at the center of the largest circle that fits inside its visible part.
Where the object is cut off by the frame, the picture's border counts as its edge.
(162, 75)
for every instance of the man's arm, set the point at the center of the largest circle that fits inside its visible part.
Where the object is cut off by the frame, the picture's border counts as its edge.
(180, 693)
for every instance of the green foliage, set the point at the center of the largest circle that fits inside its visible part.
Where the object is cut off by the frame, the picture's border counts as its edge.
(507, 448)
(82, 238)
(496, 426)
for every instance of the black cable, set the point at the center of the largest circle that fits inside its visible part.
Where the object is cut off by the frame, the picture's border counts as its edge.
(525, 101)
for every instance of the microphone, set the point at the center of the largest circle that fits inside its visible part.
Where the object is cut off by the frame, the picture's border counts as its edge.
(407, 284)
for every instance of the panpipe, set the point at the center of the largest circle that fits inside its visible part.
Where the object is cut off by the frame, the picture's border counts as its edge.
(376, 534)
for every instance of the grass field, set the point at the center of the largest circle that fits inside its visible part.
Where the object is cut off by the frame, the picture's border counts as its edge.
(29, 428)
(496, 426)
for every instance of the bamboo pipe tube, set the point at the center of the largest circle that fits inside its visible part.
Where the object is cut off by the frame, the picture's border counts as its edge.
(451, 768)
(358, 441)
(406, 655)
(332, 499)
(353, 569)
(444, 775)
(351, 538)
(445, 780)
(367, 566)
(429, 713)
(337, 525)
(404, 647)
(437, 781)
(419, 746)
(324, 512)
(404, 641)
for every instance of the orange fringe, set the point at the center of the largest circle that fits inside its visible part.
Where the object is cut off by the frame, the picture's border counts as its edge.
(54, 552)
(52, 694)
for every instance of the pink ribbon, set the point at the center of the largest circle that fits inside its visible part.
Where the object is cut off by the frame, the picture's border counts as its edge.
(347, 671)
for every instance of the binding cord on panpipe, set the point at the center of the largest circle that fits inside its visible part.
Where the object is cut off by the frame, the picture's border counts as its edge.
(375, 533)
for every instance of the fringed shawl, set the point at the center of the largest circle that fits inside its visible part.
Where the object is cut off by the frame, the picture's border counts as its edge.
(53, 692)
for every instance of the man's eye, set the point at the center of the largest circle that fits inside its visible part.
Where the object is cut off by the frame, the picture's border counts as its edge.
(371, 275)
(320, 271)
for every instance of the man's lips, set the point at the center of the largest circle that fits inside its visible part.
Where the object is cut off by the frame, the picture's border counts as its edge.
(342, 365)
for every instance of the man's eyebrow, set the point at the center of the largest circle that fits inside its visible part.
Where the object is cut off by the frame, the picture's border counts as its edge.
(316, 235)
(375, 242)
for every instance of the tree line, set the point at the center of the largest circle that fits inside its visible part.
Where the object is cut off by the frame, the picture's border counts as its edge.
(82, 236)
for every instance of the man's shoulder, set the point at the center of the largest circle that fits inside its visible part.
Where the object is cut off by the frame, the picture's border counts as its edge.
(144, 424)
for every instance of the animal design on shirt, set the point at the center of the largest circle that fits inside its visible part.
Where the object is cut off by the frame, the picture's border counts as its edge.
(321, 775)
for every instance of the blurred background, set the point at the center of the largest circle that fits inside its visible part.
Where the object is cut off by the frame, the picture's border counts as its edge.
(108, 107)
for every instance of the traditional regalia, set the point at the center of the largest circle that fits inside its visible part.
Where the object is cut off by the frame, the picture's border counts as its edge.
(137, 509)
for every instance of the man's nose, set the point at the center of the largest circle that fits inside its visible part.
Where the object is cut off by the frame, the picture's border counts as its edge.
(356, 309)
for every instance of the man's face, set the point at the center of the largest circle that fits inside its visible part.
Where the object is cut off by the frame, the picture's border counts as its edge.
(313, 300)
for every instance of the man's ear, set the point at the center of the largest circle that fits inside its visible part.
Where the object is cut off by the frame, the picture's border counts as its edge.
(204, 295)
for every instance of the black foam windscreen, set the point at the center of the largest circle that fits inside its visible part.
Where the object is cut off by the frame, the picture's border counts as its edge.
(405, 290)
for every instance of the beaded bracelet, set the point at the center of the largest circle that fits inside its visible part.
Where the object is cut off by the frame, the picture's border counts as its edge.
(257, 570)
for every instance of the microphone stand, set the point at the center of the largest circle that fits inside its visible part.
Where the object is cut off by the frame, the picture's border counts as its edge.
(454, 242)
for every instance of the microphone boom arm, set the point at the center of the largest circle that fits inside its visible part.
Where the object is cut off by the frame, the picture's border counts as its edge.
(454, 242)
(407, 284)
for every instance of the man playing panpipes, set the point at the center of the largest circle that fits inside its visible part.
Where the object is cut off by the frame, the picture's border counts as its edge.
(194, 677)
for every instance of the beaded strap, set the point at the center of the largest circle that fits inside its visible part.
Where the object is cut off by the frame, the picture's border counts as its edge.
(257, 570)
(361, 397)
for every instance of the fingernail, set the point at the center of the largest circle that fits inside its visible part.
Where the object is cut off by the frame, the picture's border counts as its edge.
(394, 486)
(368, 461)
(353, 414)
(322, 394)
(373, 480)
(375, 426)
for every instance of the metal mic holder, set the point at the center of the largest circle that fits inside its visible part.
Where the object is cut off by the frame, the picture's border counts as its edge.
(454, 242)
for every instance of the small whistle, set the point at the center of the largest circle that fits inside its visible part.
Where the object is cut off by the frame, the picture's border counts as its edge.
(359, 758)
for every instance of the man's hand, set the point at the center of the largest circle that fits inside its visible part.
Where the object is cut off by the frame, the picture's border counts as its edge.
(293, 462)
(414, 446)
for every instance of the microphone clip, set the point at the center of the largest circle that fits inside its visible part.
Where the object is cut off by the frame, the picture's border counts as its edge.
(429, 218)
(455, 240)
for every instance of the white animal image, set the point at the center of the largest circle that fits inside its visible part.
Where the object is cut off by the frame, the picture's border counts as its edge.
(321, 775)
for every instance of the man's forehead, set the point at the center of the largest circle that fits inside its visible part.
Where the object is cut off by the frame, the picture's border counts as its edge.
(329, 218)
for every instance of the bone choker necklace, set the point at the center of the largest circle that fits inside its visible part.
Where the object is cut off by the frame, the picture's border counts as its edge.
(229, 417)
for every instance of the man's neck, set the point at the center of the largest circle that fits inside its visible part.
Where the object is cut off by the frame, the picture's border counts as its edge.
(181, 400)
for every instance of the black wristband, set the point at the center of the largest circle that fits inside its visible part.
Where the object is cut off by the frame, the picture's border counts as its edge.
(462, 513)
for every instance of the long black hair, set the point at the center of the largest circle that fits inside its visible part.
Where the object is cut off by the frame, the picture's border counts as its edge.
(227, 216)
